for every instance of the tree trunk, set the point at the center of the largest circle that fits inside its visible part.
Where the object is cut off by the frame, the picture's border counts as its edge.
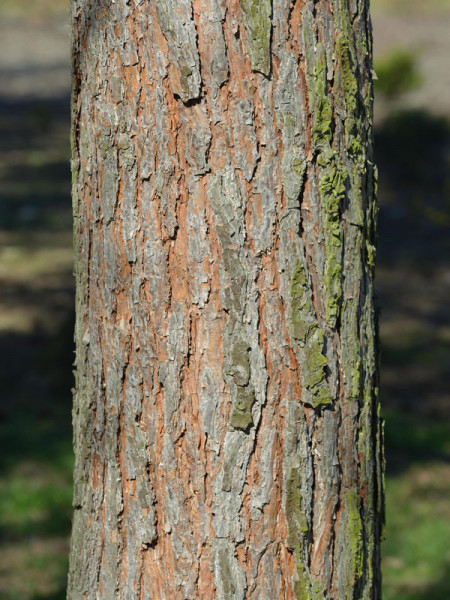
(226, 425)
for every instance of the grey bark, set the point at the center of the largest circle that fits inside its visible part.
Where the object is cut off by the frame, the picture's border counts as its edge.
(227, 434)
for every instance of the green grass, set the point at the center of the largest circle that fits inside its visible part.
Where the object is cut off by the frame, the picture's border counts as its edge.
(34, 569)
(418, 438)
(410, 6)
(33, 8)
(397, 73)
(416, 553)
(35, 500)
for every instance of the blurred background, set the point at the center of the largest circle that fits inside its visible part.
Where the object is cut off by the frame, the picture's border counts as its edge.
(412, 50)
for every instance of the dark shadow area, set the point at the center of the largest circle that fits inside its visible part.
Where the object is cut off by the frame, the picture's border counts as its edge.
(34, 165)
(412, 149)
(413, 281)
(35, 374)
(35, 371)
(413, 277)
(60, 595)
(440, 590)
(410, 439)
(36, 347)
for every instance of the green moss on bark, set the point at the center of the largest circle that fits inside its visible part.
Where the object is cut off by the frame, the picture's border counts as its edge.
(241, 416)
(306, 330)
(354, 531)
(303, 317)
(332, 192)
(295, 516)
(258, 27)
(239, 369)
(304, 588)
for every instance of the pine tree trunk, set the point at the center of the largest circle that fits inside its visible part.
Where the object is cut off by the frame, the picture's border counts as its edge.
(226, 425)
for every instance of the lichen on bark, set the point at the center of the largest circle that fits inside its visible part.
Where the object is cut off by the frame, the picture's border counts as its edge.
(306, 330)
(257, 16)
(227, 433)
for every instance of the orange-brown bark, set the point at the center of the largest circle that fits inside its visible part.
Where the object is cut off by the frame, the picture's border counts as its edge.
(227, 435)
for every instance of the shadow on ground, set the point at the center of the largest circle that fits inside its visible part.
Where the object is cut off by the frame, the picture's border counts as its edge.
(34, 165)
(412, 151)
(413, 279)
(36, 345)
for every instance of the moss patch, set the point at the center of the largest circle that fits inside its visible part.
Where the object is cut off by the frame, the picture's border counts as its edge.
(306, 331)
(332, 191)
(241, 416)
(258, 26)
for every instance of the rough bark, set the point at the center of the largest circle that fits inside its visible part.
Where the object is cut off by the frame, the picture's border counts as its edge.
(226, 425)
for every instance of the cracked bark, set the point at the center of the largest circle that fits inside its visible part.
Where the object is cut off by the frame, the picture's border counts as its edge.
(226, 422)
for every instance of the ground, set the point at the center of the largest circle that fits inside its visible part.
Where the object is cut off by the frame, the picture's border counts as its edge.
(36, 299)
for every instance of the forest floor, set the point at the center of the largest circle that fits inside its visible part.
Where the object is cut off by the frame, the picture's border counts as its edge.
(36, 299)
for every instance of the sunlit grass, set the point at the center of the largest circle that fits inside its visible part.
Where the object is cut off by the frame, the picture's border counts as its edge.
(34, 569)
(410, 6)
(33, 8)
(35, 499)
(36, 273)
(397, 72)
(416, 553)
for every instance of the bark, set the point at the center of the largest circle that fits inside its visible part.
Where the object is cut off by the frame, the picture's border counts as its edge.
(226, 422)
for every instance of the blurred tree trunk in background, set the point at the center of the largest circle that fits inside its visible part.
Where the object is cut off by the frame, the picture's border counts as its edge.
(226, 426)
